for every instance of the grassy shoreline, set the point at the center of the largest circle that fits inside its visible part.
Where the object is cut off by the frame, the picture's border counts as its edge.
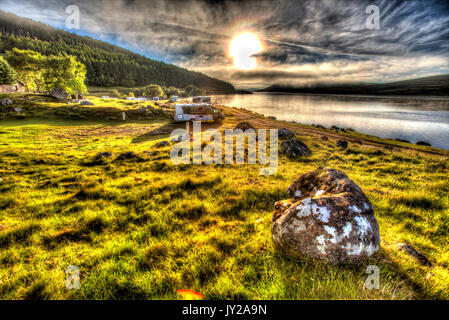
(143, 228)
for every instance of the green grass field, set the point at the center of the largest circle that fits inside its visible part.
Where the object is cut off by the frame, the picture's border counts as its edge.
(144, 228)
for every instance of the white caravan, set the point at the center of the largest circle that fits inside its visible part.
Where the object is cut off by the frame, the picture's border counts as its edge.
(196, 112)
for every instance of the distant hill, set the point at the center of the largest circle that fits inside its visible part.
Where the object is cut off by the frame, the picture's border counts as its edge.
(434, 85)
(107, 64)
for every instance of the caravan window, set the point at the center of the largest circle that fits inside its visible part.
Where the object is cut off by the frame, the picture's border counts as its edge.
(196, 110)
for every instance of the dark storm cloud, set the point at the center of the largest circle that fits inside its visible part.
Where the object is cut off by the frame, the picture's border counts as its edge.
(330, 35)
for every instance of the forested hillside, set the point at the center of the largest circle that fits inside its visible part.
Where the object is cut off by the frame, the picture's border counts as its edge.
(107, 65)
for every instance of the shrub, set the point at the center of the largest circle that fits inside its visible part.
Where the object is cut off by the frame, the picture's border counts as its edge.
(7, 74)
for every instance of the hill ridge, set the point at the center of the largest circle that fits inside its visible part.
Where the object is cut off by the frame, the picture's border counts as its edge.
(431, 85)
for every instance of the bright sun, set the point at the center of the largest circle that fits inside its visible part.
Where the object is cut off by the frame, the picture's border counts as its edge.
(242, 48)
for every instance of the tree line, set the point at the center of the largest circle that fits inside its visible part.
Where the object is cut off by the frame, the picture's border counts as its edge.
(154, 90)
(106, 64)
(43, 73)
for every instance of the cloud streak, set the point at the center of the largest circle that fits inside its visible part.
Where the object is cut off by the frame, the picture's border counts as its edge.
(304, 41)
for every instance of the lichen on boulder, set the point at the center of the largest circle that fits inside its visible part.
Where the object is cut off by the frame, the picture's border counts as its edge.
(328, 218)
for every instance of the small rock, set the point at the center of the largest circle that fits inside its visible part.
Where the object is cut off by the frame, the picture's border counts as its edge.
(86, 103)
(244, 126)
(101, 155)
(180, 138)
(328, 218)
(294, 148)
(17, 109)
(151, 153)
(286, 133)
(6, 102)
(423, 143)
(162, 144)
(128, 156)
(421, 258)
(342, 144)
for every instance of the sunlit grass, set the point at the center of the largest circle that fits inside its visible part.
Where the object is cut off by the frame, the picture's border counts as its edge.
(144, 229)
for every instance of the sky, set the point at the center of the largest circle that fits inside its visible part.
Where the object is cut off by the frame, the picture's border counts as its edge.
(301, 42)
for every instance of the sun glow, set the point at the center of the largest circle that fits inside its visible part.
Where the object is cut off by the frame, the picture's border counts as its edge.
(242, 49)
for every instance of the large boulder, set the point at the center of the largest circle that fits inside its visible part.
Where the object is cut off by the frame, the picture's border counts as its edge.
(244, 126)
(59, 94)
(328, 218)
(295, 148)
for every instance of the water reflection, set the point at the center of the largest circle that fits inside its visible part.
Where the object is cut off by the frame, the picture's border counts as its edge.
(407, 118)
